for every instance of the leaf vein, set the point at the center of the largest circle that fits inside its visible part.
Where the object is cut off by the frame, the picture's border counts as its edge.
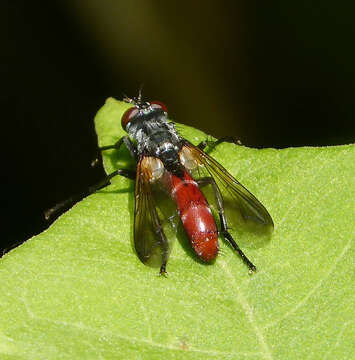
(249, 313)
(315, 288)
(141, 340)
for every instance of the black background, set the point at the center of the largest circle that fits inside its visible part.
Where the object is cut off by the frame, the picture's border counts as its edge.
(273, 74)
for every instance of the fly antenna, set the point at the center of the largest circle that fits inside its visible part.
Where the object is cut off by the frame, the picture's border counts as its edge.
(139, 99)
(136, 100)
(127, 99)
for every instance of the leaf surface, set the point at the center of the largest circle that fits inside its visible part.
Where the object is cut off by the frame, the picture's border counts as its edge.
(78, 290)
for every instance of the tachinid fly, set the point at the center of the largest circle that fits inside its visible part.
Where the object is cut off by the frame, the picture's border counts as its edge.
(172, 177)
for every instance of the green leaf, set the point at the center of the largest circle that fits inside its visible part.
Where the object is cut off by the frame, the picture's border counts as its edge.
(78, 291)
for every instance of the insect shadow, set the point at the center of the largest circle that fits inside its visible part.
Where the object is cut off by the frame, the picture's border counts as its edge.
(249, 234)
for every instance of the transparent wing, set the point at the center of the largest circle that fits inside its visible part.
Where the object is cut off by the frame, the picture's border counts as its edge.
(249, 206)
(155, 217)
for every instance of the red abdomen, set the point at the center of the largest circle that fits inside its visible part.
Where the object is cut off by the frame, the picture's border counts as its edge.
(196, 216)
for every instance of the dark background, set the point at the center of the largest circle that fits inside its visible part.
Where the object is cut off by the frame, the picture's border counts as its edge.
(273, 74)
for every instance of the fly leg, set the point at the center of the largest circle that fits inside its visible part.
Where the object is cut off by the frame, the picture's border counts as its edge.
(163, 242)
(123, 140)
(106, 181)
(90, 190)
(117, 145)
(224, 225)
(229, 139)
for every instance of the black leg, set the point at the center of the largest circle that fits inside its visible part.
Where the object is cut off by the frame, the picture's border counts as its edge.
(162, 270)
(90, 190)
(117, 145)
(224, 225)
(229, 139)
(127, 141)
(130, 146)
(213, 144)
(203, 144)
(165, 248)
(163, 242)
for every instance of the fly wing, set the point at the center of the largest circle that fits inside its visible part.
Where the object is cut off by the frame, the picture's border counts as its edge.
(154, 217)
(249, 206)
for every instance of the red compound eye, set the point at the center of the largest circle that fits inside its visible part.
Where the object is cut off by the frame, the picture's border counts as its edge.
(159, 105)
(128, 115)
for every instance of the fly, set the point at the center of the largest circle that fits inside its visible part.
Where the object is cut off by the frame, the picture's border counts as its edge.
(170, 176)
